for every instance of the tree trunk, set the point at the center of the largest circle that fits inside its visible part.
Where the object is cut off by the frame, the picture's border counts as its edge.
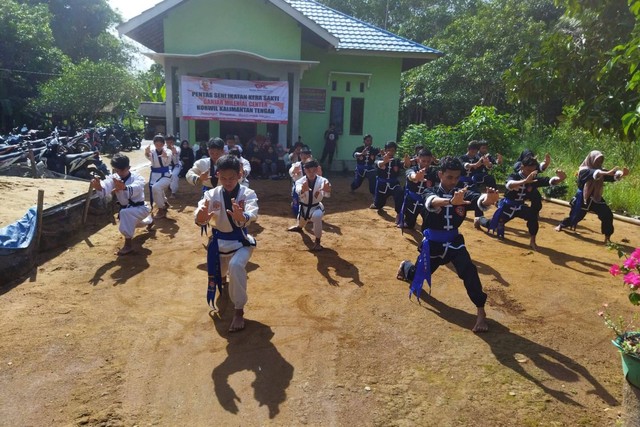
(630, 405)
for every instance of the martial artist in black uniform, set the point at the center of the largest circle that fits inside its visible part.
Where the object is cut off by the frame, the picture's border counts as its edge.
(519, 188)
(387, 183)
(365, 156)
(591, 177)
(446, 208)
(420, 178)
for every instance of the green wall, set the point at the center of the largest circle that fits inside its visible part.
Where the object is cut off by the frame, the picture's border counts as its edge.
(381, 98)
(201, 26)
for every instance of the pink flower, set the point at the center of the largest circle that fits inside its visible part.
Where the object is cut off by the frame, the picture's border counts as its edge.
(632, 278)
(614, 270)
(631, 263)
(636, 254)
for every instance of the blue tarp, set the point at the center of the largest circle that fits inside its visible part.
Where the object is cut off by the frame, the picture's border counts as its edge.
(19, 234)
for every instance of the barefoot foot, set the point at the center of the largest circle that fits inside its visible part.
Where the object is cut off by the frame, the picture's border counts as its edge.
(481, 321)
(559, 227)
(237, 324)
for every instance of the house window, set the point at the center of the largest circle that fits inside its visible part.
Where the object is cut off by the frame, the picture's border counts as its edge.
(362, 87)
(348, 86)
(336, 113)
(334, 85)
(357, 116)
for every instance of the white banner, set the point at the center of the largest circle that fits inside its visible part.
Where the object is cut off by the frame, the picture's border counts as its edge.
(234, 100)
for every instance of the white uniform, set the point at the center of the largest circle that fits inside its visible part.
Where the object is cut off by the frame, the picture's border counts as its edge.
(246, 169)
(311, 207)
(295, 171)
(203, 165)
(134, 212)
(176, 167)
(160, 179)
(234, 256)
(199, 167)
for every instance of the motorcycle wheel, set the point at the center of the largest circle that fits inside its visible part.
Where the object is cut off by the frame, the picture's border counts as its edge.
(137, 144)
(82, 147)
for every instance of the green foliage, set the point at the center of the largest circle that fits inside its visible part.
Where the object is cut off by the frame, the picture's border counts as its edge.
(482, 123)
(28, 57)
(569, 146)
(153, 84)
(565, 67)
(86, 90)
(81, 30)
(485, 123)
(479, 45)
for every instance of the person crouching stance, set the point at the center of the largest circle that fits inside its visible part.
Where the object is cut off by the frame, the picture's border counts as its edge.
(311, 189)
(128, 188)
(232, 208)
(446, 209)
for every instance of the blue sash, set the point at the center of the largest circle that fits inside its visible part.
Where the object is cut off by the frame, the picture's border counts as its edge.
(578, 202)
(495, 220)
(213, 261)
(295, 204)
(423, 264)
(361, 170)
(466, 179)
(385, 181)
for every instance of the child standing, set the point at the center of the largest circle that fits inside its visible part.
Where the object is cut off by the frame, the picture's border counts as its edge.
(311, 189)
(128, 187)
(160, 179)
(232, 207)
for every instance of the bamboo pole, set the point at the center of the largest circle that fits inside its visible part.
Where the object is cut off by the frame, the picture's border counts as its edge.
(32, 160)
(87, 202)
(39, 220)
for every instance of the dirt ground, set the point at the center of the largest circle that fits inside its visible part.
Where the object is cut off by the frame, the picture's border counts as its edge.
(332, 337)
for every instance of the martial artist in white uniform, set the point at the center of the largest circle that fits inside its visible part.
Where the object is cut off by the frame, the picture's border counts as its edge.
(231, 207)
(128, 188)
(160, 179)
(175, 165)
(203, 171)
(311, 189)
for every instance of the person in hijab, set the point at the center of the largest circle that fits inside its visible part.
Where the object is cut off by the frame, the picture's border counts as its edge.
(187, 157)
(591, 179)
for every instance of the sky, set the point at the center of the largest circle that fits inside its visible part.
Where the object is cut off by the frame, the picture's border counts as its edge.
(129, 9)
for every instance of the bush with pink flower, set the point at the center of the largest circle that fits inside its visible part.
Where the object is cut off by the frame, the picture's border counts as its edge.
(627, 340)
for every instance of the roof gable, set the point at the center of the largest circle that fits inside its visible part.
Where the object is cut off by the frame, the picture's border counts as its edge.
(341, 32)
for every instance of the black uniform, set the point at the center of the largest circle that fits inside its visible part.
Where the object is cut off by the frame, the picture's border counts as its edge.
(443, 244)
(513, 205)
(482, 176)
(414, 195)
(387, 184)
(365, 167)
(466, 177)
(579, 208)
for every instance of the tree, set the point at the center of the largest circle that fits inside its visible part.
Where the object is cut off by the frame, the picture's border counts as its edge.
(565, 67)
(86, 90)
(28, 57)
(479, 47)
(153, 84)
(81, 30)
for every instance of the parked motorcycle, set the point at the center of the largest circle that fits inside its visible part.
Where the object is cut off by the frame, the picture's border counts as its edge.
(85, 165)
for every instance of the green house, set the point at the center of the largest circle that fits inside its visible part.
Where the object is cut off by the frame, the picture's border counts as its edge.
(332, 68)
